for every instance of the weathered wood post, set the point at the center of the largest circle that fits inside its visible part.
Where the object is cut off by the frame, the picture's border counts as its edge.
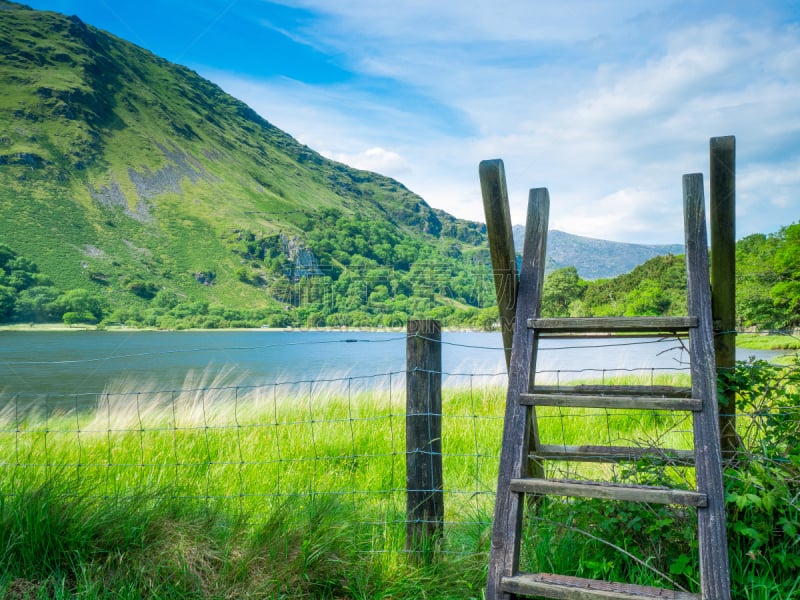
(501, 245)
(723, 278)
(711, 530)
(425, 496)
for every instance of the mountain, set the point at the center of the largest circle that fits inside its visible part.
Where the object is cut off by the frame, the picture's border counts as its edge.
(129, 176)
(593, 258)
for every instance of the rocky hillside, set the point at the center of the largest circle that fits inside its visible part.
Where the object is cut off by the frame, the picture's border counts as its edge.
(122, 172)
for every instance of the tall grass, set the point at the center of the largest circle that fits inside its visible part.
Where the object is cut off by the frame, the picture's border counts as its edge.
(298, 490)
(294, 490)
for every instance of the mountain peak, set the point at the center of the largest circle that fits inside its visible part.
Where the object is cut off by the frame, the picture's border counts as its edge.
(594, 258)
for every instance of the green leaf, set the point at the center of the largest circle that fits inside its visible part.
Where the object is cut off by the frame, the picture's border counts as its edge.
(681, 565)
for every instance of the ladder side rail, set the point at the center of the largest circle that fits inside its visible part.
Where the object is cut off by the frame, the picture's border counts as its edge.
(712, 535)
(519, 420)
(501, 246)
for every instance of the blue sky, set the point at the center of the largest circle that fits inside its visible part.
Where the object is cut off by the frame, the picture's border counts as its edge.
(605, 103)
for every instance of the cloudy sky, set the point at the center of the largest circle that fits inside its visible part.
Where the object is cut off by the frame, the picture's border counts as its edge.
(606, 103)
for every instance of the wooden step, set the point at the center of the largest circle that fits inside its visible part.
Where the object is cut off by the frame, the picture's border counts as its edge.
(615, 401)
(595, 325)
(563, 587)
(608, 491)
(658, 391)
(612, 454)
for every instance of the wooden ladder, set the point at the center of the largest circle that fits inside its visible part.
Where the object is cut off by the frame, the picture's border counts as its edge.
(522, 455)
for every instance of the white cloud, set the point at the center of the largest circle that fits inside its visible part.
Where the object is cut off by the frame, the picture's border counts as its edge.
(374, 159)
(774, 188)
(604, 104)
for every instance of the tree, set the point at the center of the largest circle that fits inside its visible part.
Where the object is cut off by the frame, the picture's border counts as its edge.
(282, 290)
(786, 292)
(243, 274)
(140, 287)
(166, 299)
(647, 299)
(37, 304)
(561, 288)
(6, 255)
(87, 305)
(755, 277)
(768, 278)
(73, 318)
(7, 299)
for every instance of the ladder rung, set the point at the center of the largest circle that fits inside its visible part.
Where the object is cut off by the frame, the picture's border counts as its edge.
(563, 587)
(609, 491)
(669, 325)
(661, 391)
(611, 454)
(620, 402)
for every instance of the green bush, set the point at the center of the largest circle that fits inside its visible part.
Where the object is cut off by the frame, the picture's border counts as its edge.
(763, 486)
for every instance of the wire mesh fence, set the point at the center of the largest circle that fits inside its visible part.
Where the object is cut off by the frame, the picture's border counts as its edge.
(249, 449)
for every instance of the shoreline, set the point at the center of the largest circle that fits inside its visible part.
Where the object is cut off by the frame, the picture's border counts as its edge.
(59, 327)
(748, 341)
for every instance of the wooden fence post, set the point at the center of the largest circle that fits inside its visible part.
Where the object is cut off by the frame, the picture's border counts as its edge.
(425, 496)
(501, 245)
(723, 278)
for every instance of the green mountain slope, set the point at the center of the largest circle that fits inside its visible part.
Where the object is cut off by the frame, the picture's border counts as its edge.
(128, 175)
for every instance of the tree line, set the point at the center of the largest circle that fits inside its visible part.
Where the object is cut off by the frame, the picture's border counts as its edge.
(366, 274)
(767, 286)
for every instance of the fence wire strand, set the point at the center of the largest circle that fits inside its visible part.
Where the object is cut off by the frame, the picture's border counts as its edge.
(249, 448)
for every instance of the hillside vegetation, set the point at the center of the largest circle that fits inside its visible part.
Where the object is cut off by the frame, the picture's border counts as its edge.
(149, 188)
(767, 285)
(134, 191)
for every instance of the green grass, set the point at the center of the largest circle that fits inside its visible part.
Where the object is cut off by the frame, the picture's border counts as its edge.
(756, 341)
(279, 493)
(298, 492)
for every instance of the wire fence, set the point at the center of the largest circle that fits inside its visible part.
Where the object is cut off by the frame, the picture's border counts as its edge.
(250, 449)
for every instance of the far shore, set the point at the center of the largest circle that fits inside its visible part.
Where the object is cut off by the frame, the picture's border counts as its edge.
(33, 327)
(760, 341)
(753, 341)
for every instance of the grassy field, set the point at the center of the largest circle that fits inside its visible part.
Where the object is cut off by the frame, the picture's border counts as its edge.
(296, 492)
(758, 341)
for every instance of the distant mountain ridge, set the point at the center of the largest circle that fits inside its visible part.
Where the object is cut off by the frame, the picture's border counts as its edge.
(594, 258)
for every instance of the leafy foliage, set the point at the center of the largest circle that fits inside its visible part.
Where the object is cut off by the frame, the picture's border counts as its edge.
(657, 287)
(767, 285)
(27, 295)
(763, 487)
(125, 175)
(562, 293)
(768, 279)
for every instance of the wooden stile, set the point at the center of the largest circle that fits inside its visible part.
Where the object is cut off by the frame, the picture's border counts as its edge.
(521, 443)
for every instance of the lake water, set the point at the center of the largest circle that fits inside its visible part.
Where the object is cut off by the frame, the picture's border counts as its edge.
(40, 363)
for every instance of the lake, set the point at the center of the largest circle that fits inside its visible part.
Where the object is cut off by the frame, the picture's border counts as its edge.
(38, 363)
